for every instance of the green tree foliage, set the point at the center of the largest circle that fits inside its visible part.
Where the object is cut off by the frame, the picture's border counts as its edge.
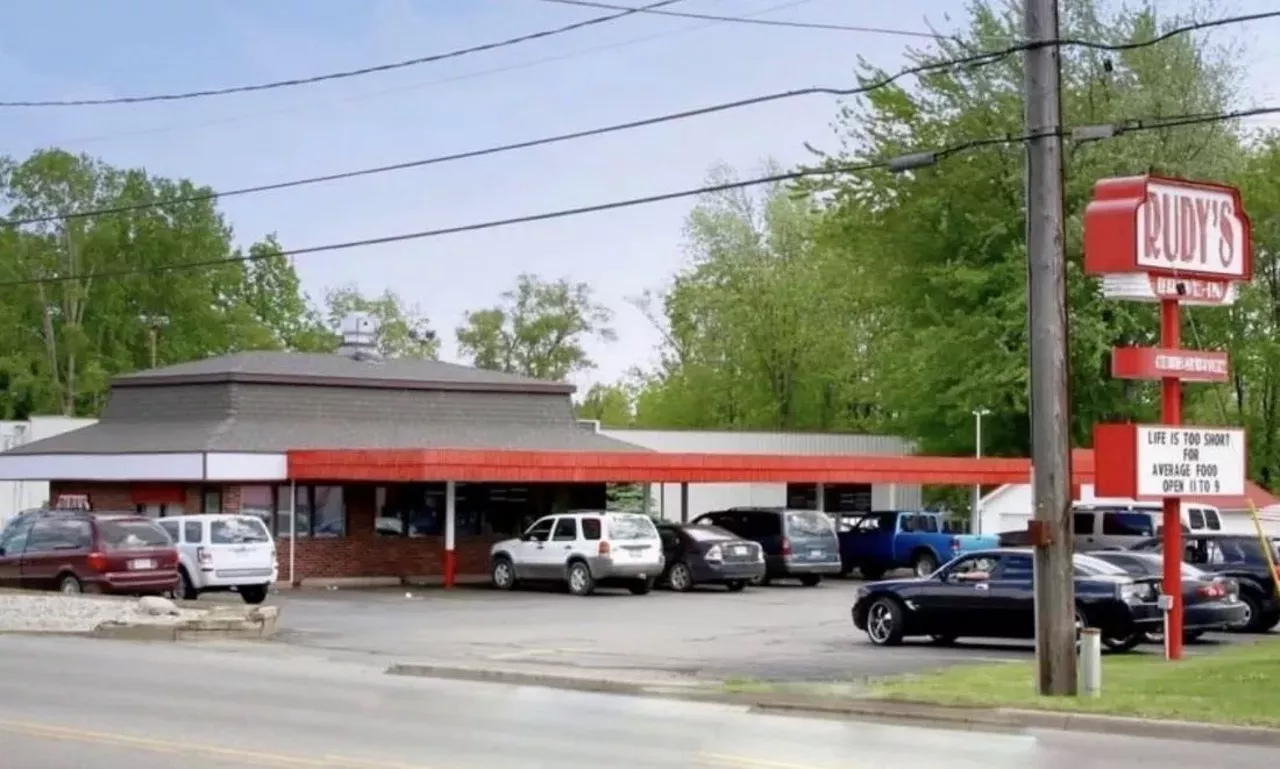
(609, 404)
(403, 332)
(538, 330)
(71, 320)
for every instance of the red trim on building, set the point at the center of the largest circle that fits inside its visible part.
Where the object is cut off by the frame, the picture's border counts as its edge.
(158, 494)
(396, 465)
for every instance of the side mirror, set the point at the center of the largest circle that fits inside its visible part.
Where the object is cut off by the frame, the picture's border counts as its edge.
(1, 551)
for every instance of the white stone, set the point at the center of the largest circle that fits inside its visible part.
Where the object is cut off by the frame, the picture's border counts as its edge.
(157, 606)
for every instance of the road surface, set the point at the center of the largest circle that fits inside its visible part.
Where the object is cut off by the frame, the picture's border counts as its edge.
(68, 703)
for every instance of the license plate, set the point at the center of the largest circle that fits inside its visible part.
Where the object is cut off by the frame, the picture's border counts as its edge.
(139, 564)
(815, 555)
(739, 550)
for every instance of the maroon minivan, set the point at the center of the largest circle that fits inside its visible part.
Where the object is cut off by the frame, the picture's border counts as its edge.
(76, 551)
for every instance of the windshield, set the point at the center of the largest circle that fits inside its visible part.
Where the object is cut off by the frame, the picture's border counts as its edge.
(631, 527)
(808, 523)
(235, 531)
(132, 535)
(1097, 566)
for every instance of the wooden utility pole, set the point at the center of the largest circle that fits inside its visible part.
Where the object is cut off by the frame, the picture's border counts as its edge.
(154, 323)
(1047, 311)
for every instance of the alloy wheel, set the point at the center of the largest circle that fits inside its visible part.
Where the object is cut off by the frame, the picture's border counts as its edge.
(880, 623)
(577, 579)
(680, 578)
(502, 576)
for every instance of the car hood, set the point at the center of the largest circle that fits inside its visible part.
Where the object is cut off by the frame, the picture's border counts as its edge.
(894, 584)
(503, 545)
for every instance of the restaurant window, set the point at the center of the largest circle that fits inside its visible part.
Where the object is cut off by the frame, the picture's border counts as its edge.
(836, 497)
(258, 501)
(484, 509)
(211, 500)
(167, 510)
(321, 511)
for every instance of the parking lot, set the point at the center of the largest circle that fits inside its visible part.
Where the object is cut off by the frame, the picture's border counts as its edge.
(780, 633)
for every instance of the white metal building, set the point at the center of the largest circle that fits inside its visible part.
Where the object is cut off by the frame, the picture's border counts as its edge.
(16, 496)
(665, 499)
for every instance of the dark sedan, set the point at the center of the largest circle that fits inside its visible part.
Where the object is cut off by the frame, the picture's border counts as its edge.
(1210, 602)
(1241, 557)
(699, 554)
(989, 594)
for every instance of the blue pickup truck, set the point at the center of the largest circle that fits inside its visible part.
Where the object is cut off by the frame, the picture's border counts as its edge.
(874, 543)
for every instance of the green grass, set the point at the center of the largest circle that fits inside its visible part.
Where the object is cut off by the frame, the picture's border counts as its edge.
(1238, 685)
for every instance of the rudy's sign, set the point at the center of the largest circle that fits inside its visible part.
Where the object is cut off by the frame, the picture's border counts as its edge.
(1170, 227)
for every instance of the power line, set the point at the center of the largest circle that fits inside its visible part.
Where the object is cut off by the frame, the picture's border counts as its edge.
(975, 60)
(898, 164)
(760, 22)
(421, 85)
(342, 75)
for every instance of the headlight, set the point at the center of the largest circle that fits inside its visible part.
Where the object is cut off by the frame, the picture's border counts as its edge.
(863, 592)
(1139, 591)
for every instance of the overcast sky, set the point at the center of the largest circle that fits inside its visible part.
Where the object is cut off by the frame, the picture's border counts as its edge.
(632, 68)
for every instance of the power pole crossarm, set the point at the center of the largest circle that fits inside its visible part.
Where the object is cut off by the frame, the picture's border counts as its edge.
(1047, 310)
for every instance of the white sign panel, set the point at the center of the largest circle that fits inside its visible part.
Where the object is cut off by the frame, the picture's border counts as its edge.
(1195, 230)
(1190, 461)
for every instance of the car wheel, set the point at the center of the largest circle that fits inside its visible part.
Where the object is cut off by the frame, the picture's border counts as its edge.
(1128, 643)
(884, 622)
(762, 581)
(186, 591)
(1191, 636)
(680, 578)
(924, 564)
(641, 587)
(580, 580)
(503, 573)
(1252, 612)
(1156, 637)
(253, 594)
(70, 585)
(811, 580)
(735, 586)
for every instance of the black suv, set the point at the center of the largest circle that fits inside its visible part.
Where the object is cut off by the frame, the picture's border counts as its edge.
(1241, 557)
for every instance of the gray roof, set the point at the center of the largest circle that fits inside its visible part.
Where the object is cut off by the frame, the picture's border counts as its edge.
(327, 369)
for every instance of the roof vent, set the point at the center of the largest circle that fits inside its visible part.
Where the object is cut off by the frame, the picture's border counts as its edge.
(590, 425)
(360, 337)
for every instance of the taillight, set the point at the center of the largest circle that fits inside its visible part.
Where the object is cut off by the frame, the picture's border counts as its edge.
(204, 556)
(955, 545)
(97, 562)
(714, 554)
(1214, 590)
(603, 549)
(786, 546)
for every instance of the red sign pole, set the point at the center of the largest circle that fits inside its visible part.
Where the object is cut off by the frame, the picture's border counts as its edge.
(1171, 414)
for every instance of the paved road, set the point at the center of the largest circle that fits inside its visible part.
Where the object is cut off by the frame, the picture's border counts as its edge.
(68, 703)
(774, 633)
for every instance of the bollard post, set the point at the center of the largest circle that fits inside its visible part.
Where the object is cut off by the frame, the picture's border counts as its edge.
(1091, 662)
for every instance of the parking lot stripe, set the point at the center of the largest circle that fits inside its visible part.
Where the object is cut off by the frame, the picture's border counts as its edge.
(749, 762)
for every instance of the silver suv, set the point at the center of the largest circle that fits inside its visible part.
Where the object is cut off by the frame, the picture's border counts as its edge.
(582, 550)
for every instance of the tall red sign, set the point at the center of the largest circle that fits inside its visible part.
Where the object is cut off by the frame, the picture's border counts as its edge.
(1172, 241)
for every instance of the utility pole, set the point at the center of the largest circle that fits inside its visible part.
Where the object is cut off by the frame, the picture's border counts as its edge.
(975, 512)
(154, 323)
(1047, 311)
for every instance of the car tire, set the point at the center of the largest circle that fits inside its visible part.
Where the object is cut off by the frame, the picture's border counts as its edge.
(811, 580)
(924, 564)
(254, 594)
(1191, 636)
(581, 583)
(871, 572)
(1128, 643)
(503, 573)
(1252, 614)
(680, 578)
(70, 585)
(762, 581)
(186, 591)
(641, 587)
(885, 622)
(735, 585)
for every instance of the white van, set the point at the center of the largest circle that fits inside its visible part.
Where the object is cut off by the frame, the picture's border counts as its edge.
(220, 553)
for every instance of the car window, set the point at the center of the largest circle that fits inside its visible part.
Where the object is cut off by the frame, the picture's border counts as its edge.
(170, 528)
(591, 529)
(566, 530)
(131, 535)
(59, 534)
(974, 565)
(237, 531)
(1134, 566)
(670, 538)
(807, 523)
(540, 531)
(1089, 565)
(1083, 522)
(708, 533)
(1131, 524)
(628, 526)
(192, 532)
(1213, 520)
(14, 538)
(1016, 567)
(1195, 517)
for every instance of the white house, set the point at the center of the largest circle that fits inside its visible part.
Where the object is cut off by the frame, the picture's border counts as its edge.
(16, 496)
(665, 498)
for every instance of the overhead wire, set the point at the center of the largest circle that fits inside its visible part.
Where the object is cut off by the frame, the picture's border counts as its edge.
(759, 22)
(978, 59)
(887, 164)
(343, 74)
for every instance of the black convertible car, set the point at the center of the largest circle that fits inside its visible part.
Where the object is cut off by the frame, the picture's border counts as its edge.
(988, 594)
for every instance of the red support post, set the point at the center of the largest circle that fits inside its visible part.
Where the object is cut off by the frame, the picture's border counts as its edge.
(1171, 414)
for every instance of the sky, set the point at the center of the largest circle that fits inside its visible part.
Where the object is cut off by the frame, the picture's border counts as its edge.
(635, 67)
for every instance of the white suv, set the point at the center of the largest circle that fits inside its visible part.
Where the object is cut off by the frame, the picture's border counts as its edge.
(582, 550)
(219, 553)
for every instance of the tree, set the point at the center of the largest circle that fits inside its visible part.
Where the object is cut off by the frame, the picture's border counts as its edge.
(608, 404)
(538, 330)
(84, 290)
(936, 259)
(403, 332)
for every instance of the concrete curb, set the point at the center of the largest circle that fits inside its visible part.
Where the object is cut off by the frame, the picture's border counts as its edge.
(883, 710)
(260, 622)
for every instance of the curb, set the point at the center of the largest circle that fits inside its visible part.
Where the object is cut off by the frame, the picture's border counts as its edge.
(258, 623)
(882, 710)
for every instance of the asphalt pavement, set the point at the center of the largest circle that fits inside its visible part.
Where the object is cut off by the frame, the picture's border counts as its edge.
(69, 703)
(781, 633)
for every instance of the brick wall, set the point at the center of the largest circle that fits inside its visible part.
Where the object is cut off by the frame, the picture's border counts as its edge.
(362, 553)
